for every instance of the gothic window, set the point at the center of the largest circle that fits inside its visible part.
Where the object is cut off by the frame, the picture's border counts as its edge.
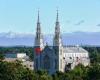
(46, 62)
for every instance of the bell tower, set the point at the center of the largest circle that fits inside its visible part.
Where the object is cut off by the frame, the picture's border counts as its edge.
(39, 36)
(57, 44)
(57, 36)
(39, 45)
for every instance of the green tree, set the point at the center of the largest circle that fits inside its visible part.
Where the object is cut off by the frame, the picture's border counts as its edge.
(43, 75)
(1, 57)
(15, 71)
(94, 72)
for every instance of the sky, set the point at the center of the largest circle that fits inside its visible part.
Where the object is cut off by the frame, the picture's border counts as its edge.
(20, 16)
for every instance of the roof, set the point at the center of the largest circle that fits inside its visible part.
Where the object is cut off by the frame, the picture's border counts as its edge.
(70, 49)
(74, 50)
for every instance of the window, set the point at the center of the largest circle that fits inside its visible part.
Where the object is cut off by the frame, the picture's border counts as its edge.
(70, 57)
(30, 65)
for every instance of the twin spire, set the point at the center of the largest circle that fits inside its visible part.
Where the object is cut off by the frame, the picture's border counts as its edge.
(57, 18)
(39, 35)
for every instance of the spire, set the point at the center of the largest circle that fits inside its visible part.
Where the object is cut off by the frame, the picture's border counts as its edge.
(39, 36)
(38, 32)
(38, 21)
(57, 20)
(57, 27)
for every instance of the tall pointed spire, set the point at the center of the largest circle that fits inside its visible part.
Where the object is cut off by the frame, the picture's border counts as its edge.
(38, 26)
(57, 27)
(38, 21)
(39, 36)
(57, 20)
(57, 37)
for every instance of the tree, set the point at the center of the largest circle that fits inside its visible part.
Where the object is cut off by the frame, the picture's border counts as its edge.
(43, 75)
(15, 71)
(94, 72)
(1, 57)
(78, 73)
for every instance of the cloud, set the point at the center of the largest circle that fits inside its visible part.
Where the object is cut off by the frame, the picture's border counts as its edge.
(80, 22)
(98, 25)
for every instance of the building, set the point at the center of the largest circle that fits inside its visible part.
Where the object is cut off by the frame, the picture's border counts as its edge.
(57, 57)
(14, 55)
(11, 57)
(28, 64)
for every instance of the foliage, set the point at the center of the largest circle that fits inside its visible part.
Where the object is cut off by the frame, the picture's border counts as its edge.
(16, 71)
(80, 73)
(1, 57)
(94, 72)
(94, 53)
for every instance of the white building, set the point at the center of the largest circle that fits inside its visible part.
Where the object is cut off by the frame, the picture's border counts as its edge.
(57, 57)
(74, 55)
(11, 57)
(15, 55)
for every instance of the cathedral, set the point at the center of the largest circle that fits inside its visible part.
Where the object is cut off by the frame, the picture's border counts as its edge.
(57, 57)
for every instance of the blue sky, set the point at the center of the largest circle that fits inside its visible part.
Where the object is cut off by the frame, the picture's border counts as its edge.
(74, 15)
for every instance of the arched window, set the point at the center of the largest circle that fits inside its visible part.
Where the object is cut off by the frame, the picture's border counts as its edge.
(46, 62)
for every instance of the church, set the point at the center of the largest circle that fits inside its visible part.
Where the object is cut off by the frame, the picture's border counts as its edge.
(57, 57)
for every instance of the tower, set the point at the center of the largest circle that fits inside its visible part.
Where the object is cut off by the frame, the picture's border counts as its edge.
(57, 36)
(57, 44)
(39, 45)
(39, 36)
